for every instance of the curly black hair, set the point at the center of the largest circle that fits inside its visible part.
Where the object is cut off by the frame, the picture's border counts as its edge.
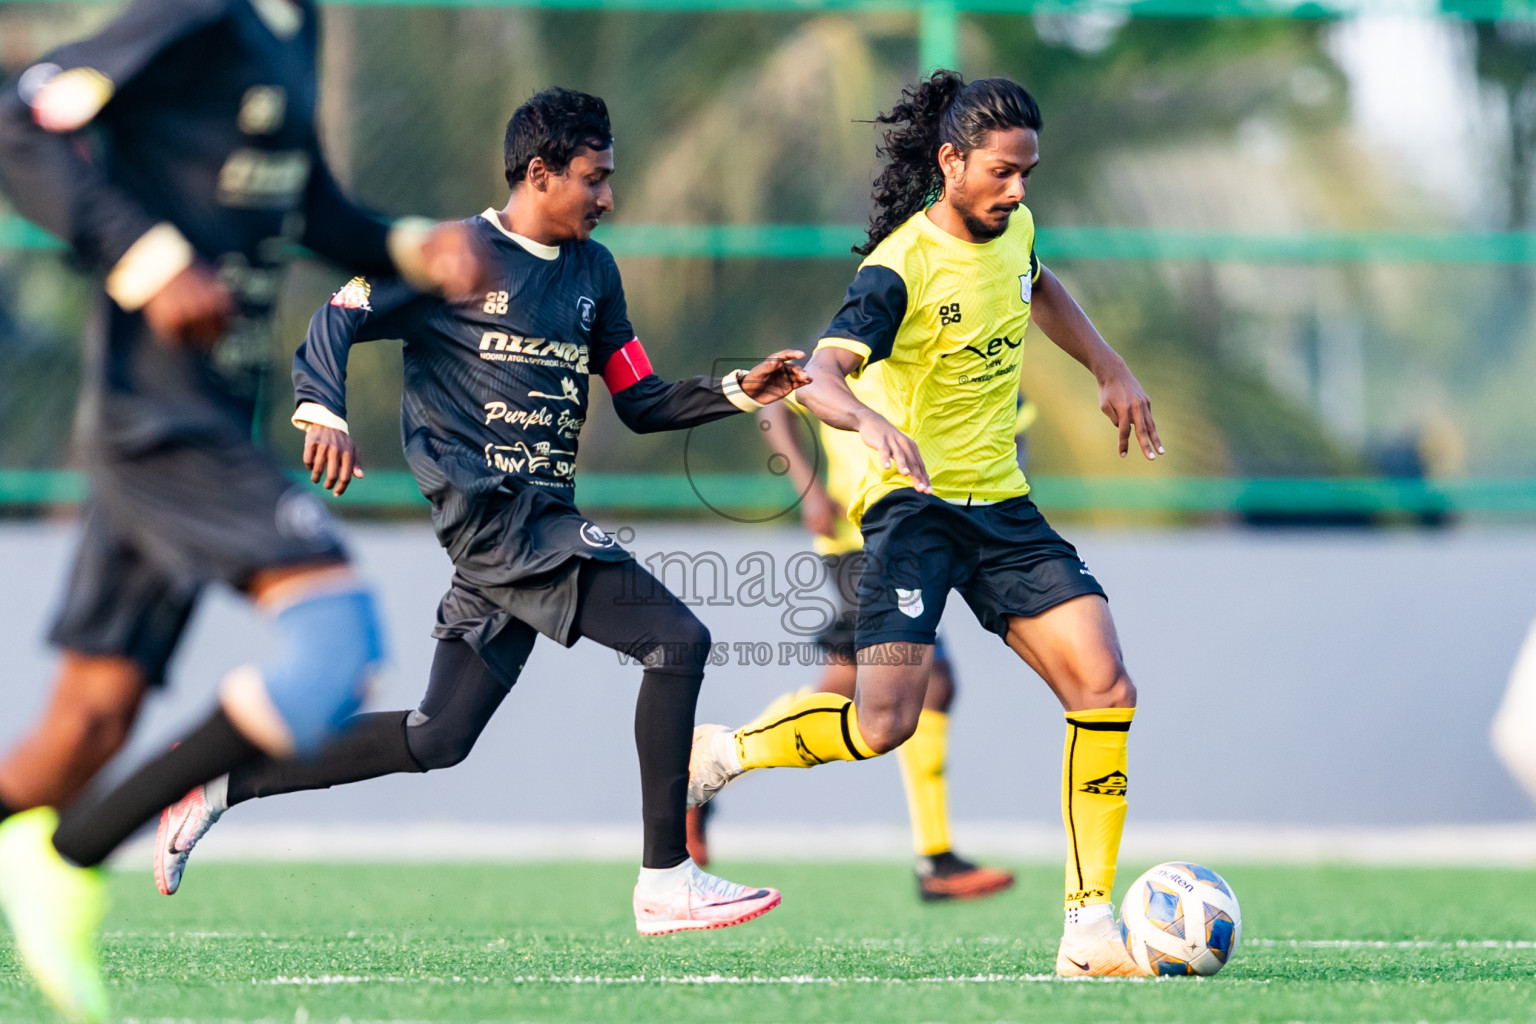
(553, 125)
(941, 109)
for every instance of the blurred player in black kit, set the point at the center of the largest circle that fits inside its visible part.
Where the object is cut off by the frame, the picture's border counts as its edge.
(175, 152)
(494, 401)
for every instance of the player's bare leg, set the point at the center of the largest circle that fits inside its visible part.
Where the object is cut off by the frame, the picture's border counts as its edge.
(93, 707)
(1074, 648)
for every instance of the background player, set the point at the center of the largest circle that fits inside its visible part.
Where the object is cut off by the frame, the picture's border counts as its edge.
(941, 873)
(940, 305)
(494, 401)
(175, 152)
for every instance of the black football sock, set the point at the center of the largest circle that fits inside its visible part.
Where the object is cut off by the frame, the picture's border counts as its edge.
(668, 638)
(89, 831)
(368, 746)
(663, 737)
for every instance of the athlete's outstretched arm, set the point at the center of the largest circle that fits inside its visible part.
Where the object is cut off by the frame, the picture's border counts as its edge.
(1121, 395)
(148, 264)
(829, 397)
(358, 312)
(442, 258)
(646, 403)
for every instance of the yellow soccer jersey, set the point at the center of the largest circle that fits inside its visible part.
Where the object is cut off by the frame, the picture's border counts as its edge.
(945, 321)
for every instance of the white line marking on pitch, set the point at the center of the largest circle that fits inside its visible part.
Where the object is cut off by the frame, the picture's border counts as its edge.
(699, 979)
(1402, 944)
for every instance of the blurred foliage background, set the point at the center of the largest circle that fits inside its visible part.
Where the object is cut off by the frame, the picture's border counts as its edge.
(1234, 126)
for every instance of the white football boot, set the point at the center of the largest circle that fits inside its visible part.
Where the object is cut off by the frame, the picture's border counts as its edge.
(181, 825)
(686, 898)
(713, 763)
(1092, 946)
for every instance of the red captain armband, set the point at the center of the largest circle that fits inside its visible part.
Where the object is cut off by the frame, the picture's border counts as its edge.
(627, 367)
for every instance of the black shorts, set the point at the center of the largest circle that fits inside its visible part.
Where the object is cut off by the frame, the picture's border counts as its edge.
(515, 555)
(163, 523)
(840, 637)
(1004, 559)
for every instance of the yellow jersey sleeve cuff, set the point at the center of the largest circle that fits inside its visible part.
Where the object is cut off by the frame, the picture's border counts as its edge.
(313, 414)
(731, 385)
(149, 265)
(858, 348)
(405, 241)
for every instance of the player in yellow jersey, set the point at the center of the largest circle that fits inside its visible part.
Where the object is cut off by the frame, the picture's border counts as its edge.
(940, 306)
(942, 874)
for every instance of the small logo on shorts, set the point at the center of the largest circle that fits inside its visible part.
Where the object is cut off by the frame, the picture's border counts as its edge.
(301, 516)
(910, 602)
(595, 537)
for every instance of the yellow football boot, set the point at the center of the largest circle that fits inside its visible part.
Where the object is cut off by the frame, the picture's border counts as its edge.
(55, 910)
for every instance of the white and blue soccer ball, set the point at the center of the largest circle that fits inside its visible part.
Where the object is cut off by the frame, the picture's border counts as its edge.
(1181, 918)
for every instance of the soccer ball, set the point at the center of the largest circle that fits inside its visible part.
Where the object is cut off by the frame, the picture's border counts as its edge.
(1180, 919)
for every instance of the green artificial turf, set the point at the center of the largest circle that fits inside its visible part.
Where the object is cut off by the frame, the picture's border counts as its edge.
(555, 942)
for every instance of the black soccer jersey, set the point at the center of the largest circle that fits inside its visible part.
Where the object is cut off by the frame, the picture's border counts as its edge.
(495, 390)
(183, 126)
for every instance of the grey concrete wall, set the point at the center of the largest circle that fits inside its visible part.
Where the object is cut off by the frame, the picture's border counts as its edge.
(1308, 679)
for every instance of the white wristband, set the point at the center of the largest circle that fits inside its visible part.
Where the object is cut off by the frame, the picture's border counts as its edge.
(149, 265)
(731, 385)
(313, 414)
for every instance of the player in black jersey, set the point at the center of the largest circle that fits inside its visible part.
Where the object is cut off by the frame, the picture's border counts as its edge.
(494, 400)
(175, 152)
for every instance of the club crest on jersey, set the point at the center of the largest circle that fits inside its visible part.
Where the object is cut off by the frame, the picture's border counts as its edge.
(910, 602)
(262, 109)
(586, 309)
(353, 295)
(595, 536)
(1026, 288)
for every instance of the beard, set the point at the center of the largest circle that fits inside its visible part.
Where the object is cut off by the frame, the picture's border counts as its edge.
(980, 228)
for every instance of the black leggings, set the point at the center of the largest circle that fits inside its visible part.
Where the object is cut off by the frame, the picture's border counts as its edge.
(463, 693)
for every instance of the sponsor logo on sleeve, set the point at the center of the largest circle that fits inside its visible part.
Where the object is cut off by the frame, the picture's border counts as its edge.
(353, 295)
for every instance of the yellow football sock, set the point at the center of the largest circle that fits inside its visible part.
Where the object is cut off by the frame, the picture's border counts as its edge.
(777, 707)
(1093, 783)
(812, 730)
(922, 773)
